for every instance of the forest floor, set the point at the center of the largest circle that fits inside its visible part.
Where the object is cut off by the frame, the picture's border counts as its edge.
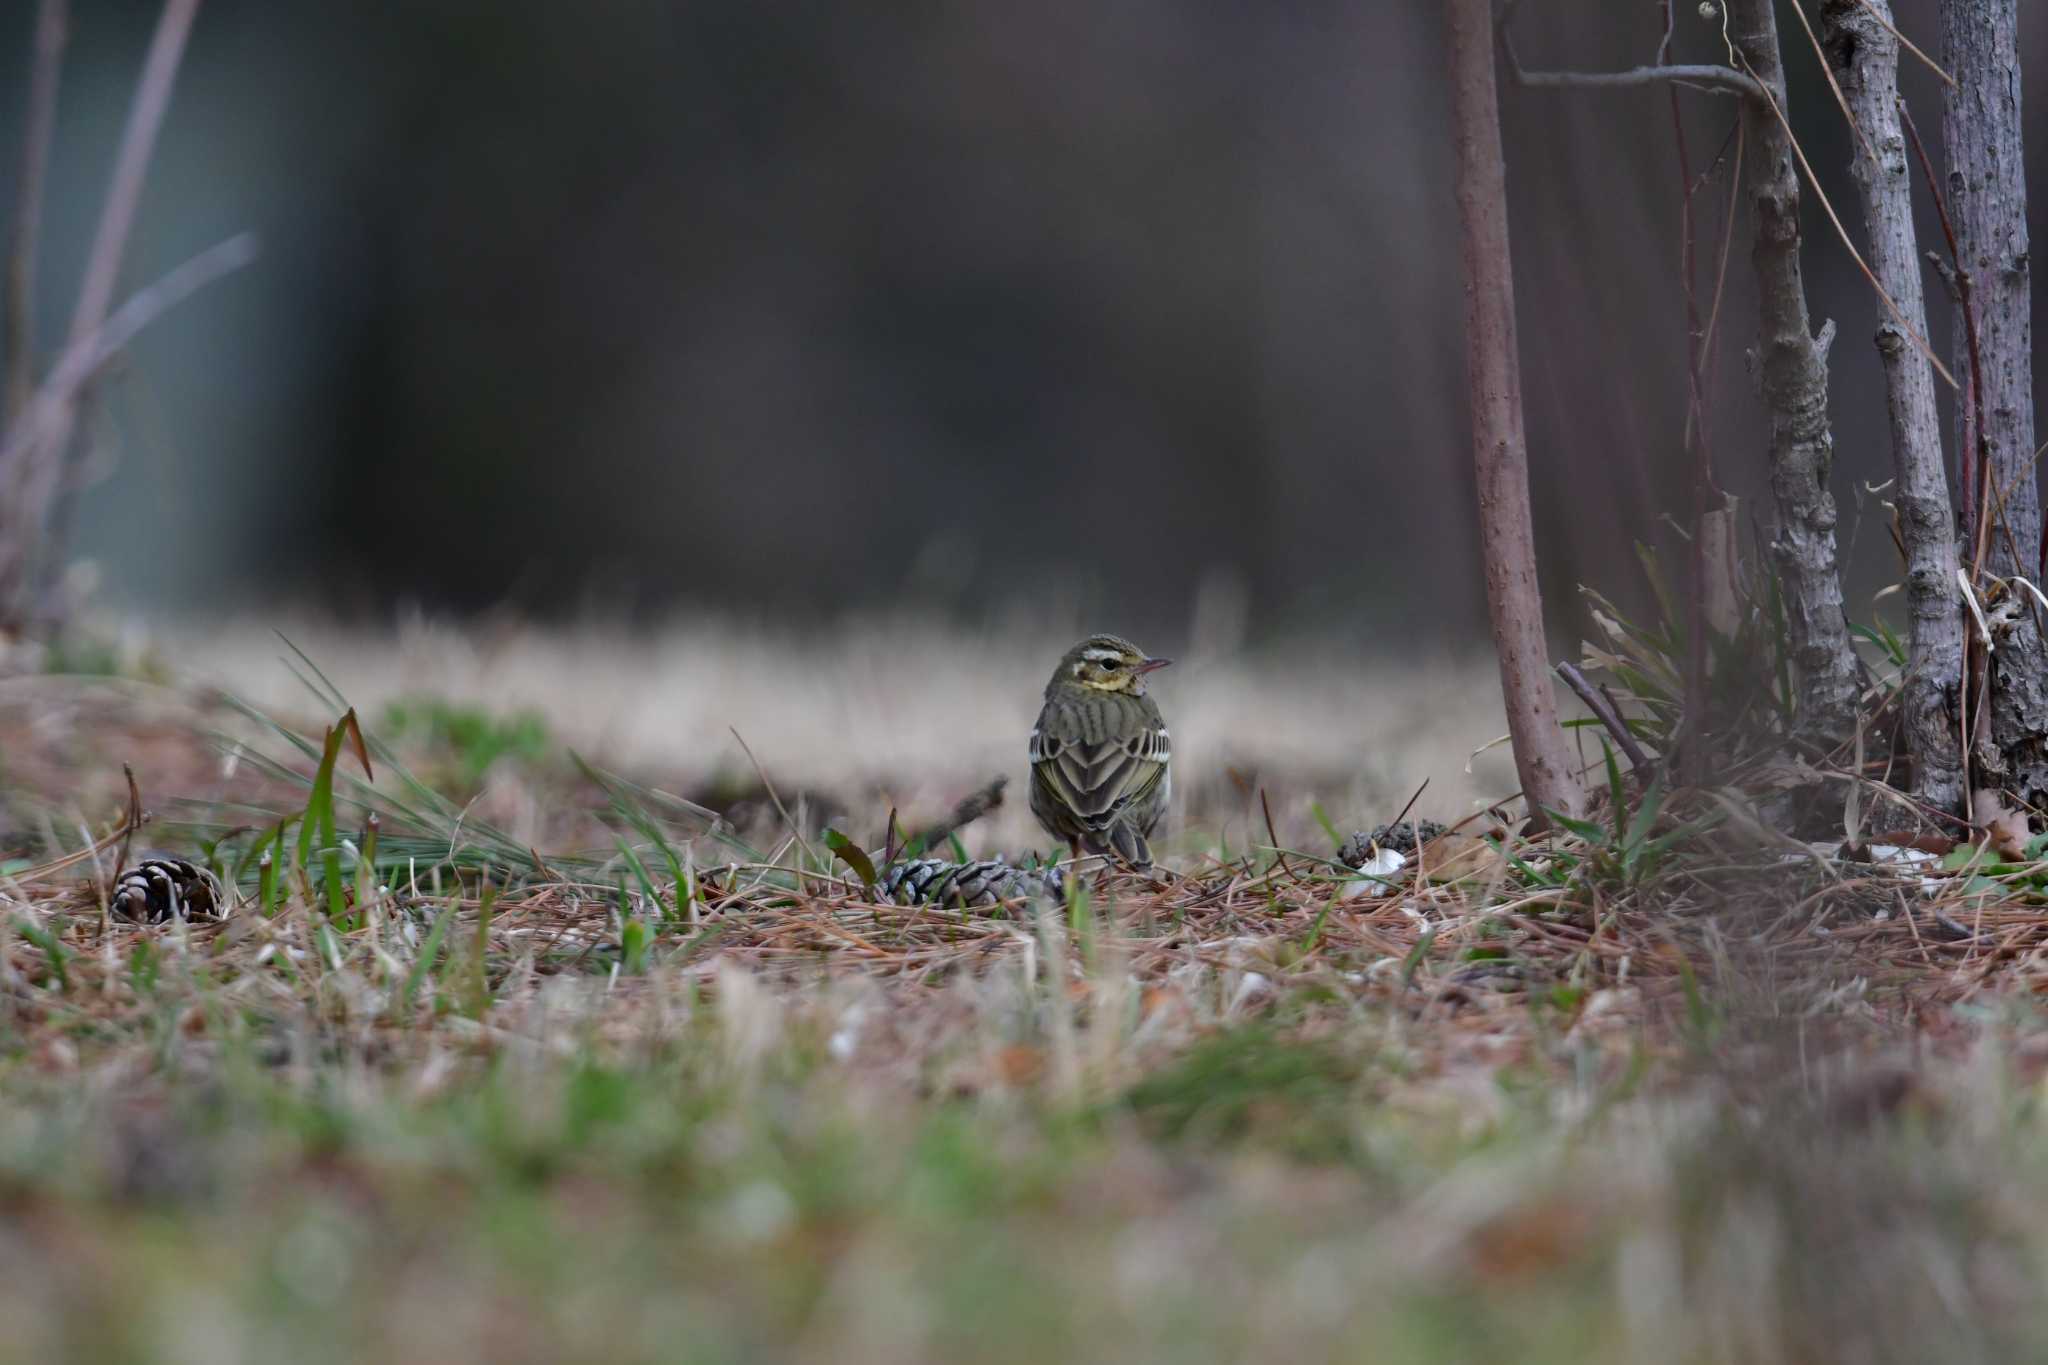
(589, 1047)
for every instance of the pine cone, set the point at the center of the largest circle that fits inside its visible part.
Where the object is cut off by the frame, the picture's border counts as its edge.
(1399, 837)
(933, 881)
(161, 888)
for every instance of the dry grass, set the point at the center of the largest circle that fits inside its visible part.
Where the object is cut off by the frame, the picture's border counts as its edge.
(910, 712)
(1582, 1104)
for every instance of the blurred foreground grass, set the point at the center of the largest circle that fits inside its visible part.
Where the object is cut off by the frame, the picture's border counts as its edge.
(198, 1169)
(634, 1090)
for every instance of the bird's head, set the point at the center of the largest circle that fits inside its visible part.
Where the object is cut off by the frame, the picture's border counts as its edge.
(1107, 663)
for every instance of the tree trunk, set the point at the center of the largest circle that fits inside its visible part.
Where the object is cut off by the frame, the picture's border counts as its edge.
(1861, 43)
(1500, 450)
(1987, 200)
(1791, 366)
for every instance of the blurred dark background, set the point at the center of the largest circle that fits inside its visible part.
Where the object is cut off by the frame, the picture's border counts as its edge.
(803, 308)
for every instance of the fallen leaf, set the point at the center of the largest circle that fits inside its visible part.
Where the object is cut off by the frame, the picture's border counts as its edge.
(1533, 1240)
(1019, 1064)
(2006, 828)
(1456, 856)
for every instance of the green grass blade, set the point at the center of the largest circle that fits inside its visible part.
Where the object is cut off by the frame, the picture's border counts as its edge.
(423, 961)
(854, 856)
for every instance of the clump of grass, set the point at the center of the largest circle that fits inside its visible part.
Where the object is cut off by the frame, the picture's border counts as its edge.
(1746, 702)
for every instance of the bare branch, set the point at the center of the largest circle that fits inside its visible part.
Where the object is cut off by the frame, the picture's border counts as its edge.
(131, 166)
(1719, 80)
(52, 25)
(1727, 79)
(31, 472)
(1603, 711)
(1709, 79)
(82, 361)
(970, 808)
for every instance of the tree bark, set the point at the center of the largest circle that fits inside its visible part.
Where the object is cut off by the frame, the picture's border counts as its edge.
(1862, 45)
(1791, 366)
(1987, 201)
(1499, 448)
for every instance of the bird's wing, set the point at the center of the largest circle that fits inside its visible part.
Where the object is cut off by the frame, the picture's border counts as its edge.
(1095, 776)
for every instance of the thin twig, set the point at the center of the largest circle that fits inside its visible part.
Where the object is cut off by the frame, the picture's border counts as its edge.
(780, 809)
(1727, 240)
(1409, 804)
(971, 808)
(1279, 853)
(72, 859)
(129, 825)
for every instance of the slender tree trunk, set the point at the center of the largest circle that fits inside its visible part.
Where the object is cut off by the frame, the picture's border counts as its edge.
(1499, 448)
(1861, 44)
(1987, 201)
(1791, 366)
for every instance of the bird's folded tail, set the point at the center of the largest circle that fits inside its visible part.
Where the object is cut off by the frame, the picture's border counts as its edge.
(1130, 845)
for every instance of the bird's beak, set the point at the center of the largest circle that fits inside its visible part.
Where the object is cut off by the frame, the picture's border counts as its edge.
(1151, 665)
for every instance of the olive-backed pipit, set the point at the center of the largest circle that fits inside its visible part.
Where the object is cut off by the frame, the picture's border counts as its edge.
(1100, 771)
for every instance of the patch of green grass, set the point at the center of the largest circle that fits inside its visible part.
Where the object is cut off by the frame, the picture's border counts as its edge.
(1255, 1083)
(86, 654)
(464, 741)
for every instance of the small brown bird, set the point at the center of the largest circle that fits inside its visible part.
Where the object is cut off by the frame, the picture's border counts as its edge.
(1100, 756)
